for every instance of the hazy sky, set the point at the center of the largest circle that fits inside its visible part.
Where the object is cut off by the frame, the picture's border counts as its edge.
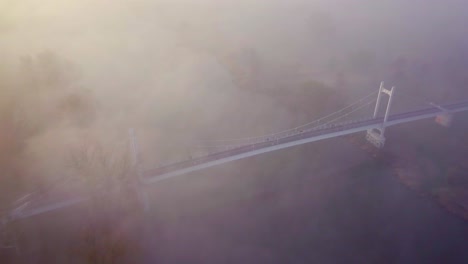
(102, 31)
(160, 57)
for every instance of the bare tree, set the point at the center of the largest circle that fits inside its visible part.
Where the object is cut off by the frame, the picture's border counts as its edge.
(109, 179)
(24, 115)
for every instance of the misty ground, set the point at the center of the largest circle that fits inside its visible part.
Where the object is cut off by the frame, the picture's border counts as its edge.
(347, 210)
(326, 202)
(311, 204)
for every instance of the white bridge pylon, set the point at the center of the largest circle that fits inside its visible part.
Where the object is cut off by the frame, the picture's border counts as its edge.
(376, 136)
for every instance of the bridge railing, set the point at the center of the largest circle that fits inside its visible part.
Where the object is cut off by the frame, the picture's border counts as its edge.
(319, 124)
(236, 149)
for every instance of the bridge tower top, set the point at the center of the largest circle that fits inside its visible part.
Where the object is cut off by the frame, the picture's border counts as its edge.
(388, 92)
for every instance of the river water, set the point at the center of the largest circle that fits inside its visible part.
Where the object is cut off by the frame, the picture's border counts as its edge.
(326, 202)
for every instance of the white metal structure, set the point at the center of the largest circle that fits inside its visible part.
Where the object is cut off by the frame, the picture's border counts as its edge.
(183, 167)
(376, 135)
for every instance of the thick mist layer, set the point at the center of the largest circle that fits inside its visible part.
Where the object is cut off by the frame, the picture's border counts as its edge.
(82, 72)
(184, 71)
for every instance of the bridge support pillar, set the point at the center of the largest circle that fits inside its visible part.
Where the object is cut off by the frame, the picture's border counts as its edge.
(376, 136)
(444, 119)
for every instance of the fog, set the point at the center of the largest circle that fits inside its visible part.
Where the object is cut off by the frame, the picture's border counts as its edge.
(181, 72)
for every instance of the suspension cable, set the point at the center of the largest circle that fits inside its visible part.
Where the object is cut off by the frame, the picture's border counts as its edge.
(298, 127)
(315, 127)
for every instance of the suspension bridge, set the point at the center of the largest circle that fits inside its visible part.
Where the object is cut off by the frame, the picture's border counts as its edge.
(216, 152)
